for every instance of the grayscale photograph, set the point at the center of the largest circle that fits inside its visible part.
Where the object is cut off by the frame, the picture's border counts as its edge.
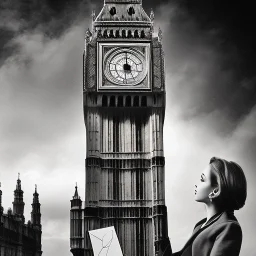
(127, 128)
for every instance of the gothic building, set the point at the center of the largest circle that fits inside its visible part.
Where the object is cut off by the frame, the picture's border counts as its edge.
(124, 109)
(18, 238)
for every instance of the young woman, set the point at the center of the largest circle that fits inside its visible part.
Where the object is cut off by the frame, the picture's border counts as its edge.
(223, 189)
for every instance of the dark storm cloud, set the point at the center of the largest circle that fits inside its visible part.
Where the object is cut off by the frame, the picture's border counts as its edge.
(51, 18)
(208, 77)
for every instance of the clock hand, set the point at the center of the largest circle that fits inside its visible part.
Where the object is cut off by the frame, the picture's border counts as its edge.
(132, 76)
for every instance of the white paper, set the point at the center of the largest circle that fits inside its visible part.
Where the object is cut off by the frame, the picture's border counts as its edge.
(105, 242)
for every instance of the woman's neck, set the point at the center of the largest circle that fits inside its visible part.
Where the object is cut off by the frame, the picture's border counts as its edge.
(211, 209)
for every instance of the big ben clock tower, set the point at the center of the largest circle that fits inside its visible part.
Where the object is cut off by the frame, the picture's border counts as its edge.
(124, 108)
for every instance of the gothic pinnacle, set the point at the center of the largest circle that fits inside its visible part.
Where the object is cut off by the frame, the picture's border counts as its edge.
(152, 15)
(76, 196)
(160, 35)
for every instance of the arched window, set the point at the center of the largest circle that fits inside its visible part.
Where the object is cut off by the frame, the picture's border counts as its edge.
(142, 35)
(144, 101)
(111, 34)
(128, 102)
(123, 33)
(120, 102)
(112, 11)
(136, 101)
(112, 101)
(131, 11)
(105, 34)
(104, 101)
(129, 34)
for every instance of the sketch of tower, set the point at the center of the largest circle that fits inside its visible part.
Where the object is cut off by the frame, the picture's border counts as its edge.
(124, 109)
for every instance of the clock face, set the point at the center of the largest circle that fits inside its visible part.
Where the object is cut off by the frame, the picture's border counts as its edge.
(125, 66)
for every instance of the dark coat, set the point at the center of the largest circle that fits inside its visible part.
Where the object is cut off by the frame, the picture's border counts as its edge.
(222, 236)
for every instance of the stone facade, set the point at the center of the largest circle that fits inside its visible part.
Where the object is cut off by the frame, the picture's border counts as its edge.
(18, 238)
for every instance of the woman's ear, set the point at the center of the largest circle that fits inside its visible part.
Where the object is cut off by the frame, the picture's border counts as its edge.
(215, 193)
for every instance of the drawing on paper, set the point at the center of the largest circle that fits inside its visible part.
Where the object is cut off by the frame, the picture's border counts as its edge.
(105, 242)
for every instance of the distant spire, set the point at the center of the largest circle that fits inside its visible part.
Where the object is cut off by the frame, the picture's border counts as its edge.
(76, 196)
(18, 204)
(35, 196)
(18, 186)
(36, 212)
(76, 201)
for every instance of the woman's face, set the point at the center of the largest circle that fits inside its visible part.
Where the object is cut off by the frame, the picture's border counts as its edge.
(204, 187)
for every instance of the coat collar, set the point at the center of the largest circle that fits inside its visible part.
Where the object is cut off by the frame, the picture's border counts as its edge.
(198, 228)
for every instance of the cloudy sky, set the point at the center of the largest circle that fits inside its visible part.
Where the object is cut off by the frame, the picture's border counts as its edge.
(211, 105)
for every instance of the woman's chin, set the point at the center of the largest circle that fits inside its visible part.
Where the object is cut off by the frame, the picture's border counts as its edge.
(197, 199)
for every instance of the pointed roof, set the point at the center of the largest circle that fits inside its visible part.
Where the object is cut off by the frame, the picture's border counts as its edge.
(76, 196)
(122, 12)
(35, 196)
(35, 190)
(18, 186)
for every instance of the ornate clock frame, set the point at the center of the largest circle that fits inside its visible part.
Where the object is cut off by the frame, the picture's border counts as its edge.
(105, 49)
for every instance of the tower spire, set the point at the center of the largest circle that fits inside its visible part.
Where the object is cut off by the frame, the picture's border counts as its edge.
(36, 213)
(76, 196)
(18, 204)
(76, 225)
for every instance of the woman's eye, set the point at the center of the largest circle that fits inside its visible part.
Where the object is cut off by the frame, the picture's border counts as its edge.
(201, 179)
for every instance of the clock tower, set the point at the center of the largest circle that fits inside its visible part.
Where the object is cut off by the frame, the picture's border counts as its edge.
(124, 108)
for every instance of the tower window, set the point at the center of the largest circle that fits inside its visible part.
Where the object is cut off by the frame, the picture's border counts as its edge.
(105, 33)
(129, 34)
(113, 11)
(136, 101)
(136, 34)
(128, 101)
(142, 35)
(144, 101)
(117, 33)
(120, 101)
(123, 33)
(104, 101)
(112, 101)
(111, 34)
(131, 11)
(154, 99)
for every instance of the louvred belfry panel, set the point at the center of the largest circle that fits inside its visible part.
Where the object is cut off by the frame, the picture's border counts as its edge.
(90, 67)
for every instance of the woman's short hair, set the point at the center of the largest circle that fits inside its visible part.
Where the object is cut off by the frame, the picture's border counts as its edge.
(232, 183)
